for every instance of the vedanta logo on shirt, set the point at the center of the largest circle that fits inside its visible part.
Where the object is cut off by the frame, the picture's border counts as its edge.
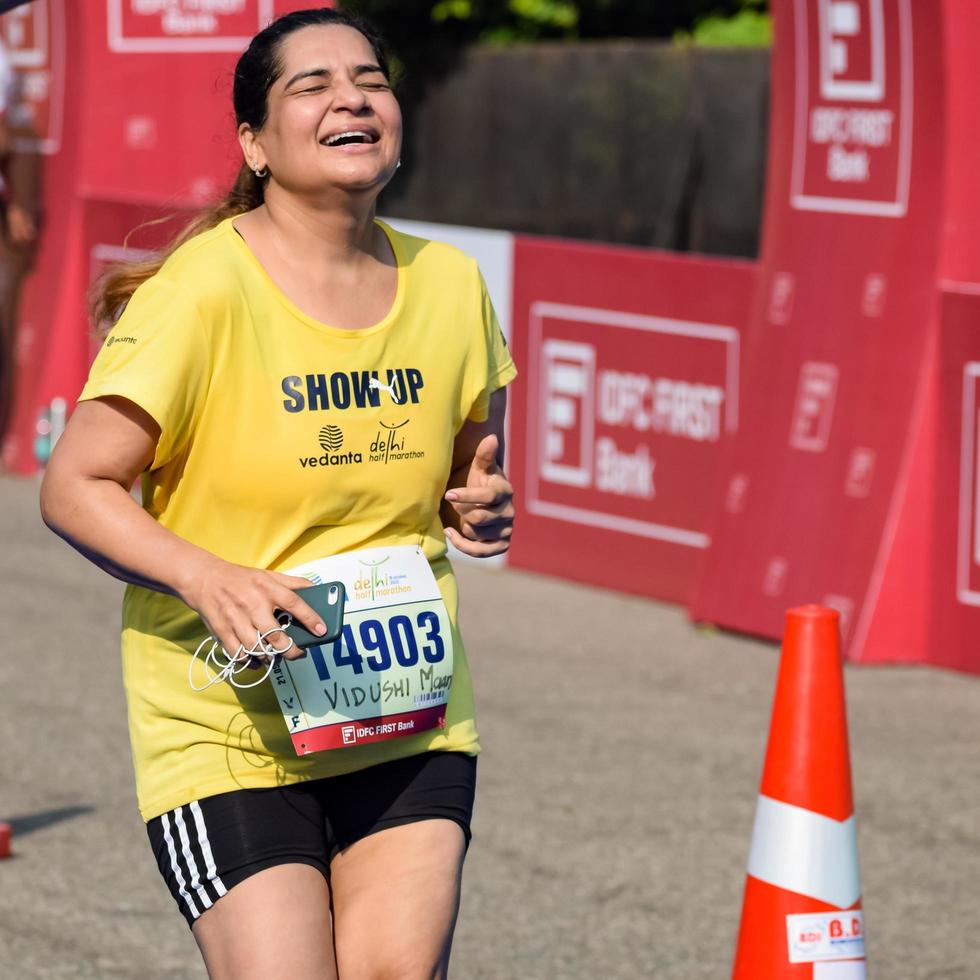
(331, 438)
(351, 389)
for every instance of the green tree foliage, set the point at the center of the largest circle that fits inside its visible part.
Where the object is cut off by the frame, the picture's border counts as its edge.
(427, 37)
(530, 20)
(747, 28)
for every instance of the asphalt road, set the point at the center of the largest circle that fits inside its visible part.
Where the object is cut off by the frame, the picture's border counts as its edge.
(614, 812)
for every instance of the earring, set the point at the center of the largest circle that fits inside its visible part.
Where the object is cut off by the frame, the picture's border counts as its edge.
(264, 172)
(397, 165)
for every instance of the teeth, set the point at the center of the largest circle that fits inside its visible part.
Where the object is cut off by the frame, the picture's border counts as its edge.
(353, 132)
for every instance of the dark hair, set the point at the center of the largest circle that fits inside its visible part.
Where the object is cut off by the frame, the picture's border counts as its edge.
(257, 70)
(260, 64)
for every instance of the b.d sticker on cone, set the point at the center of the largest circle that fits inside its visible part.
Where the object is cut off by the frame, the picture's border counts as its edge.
(825, 936)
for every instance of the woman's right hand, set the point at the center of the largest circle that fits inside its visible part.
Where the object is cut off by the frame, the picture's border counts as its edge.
(85, 498)
(238, 604)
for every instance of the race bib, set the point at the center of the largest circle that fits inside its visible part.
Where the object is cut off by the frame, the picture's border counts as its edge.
(390, 672)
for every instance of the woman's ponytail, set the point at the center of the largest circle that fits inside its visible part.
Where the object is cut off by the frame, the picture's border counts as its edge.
(111, 292)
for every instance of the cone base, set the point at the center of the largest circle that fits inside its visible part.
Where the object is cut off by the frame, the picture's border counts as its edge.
(763, 948)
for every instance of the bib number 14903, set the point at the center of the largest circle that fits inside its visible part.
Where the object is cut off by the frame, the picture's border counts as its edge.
(378, 644)
(390, 672)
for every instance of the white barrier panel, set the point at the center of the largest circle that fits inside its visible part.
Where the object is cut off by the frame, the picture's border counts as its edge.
(494, 253)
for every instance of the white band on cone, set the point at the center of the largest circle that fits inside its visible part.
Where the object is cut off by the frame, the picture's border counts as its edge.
(841, 970)
(806, 853)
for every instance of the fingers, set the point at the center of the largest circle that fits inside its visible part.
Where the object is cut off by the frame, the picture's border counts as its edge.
(496, 530)
(486, 520)
(226, 637)
(300, 611)
(486, 513)
(289, 581)
(256, 644)
(485, 457)
(495, 492)
(476, 549)
(239, 606)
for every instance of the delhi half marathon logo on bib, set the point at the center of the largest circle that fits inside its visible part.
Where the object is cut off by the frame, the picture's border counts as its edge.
(374, 583)
(331, 440)
(388, 445)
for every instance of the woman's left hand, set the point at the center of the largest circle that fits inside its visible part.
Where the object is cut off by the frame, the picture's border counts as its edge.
(485, 506)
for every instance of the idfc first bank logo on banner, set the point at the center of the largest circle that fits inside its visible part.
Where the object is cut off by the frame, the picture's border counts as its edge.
(626, 413)
(852, 143)
(147, 26)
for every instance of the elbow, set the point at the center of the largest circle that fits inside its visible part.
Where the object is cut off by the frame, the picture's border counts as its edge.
(51, 500)
(46, 499)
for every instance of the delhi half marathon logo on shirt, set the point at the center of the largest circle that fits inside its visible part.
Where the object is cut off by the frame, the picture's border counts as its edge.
(387, 447)
(344, 390)
(331, 439)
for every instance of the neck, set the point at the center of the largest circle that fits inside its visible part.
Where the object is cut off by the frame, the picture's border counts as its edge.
(338, 233)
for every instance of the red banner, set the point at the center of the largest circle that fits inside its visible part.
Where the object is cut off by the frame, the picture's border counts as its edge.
(928, 596)
(818, 474)
(630, 386)
(151, 124)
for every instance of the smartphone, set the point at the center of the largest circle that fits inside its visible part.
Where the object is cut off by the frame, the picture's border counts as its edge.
(327, 600)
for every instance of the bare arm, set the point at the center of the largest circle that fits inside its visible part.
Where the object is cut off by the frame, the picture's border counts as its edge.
(477, 510)
(85, 499)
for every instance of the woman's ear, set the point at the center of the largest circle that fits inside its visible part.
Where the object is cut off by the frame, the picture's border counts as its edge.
(251, 150)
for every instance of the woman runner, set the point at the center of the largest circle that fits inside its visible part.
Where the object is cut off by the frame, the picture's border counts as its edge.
(305, 394)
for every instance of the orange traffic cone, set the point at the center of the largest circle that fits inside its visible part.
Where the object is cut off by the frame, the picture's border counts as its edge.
(801, 915)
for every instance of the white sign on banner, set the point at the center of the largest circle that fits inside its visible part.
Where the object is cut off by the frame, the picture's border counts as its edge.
(852, 144)
(151, 26)
(968, 543)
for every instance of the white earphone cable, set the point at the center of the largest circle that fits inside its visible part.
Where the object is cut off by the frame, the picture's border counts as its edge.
(219, 665)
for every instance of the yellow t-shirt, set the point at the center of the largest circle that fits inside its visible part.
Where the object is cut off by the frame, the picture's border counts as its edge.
(252, 398)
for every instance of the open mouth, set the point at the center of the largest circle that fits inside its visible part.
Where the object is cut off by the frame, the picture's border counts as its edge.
(351, 137)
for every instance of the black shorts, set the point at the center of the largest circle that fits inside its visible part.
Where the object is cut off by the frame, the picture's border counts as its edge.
(210, 845)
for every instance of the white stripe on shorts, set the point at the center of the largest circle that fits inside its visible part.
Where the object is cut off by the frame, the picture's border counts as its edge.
(185, 847)
(168, 837)
(202, 837)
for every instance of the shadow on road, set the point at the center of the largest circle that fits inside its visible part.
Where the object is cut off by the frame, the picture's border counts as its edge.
(30, 822)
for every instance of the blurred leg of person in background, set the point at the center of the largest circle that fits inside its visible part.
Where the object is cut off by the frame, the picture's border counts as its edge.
(17, 249)
(19, 193)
